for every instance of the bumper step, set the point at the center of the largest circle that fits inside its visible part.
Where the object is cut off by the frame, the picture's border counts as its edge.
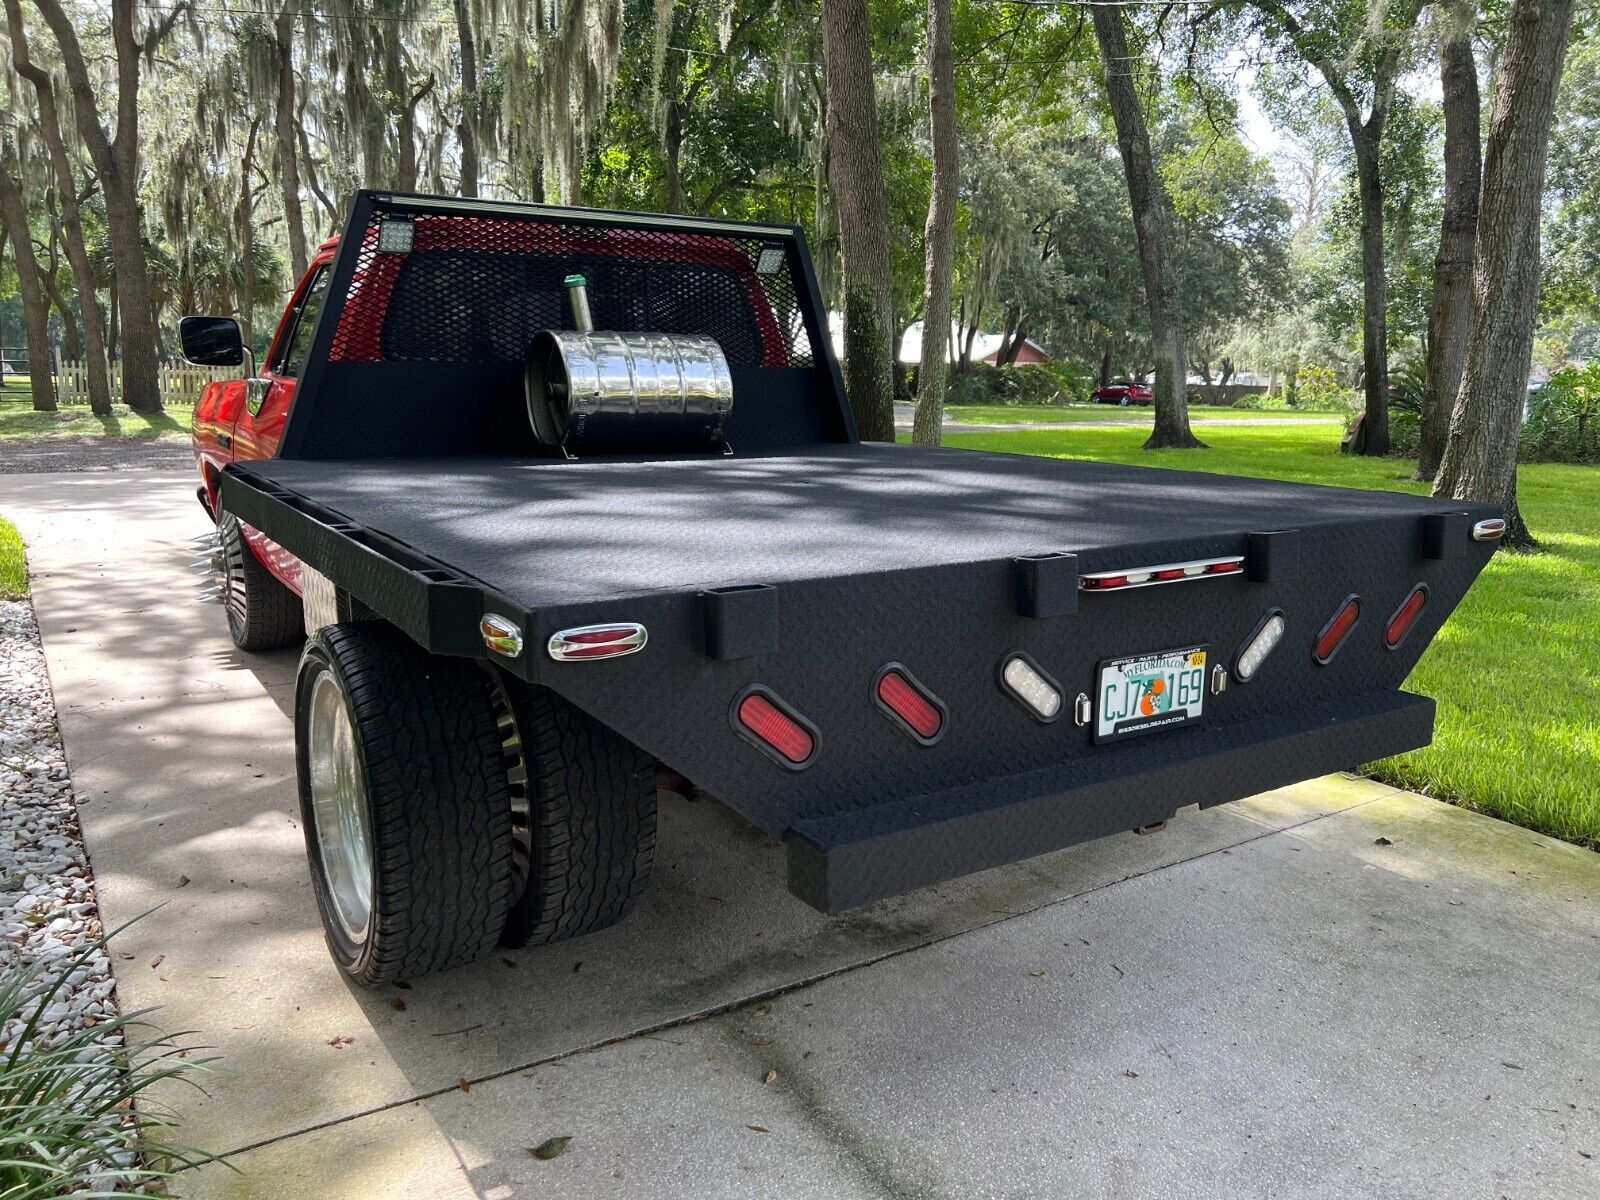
(848, 859)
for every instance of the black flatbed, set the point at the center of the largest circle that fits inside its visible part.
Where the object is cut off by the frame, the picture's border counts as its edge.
(805, 567)
(550, 533)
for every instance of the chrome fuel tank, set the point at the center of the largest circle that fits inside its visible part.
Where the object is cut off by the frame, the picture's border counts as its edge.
(603, 391)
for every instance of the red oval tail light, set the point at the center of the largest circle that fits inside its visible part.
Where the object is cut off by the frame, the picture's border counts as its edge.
(1405, 617)
(1336, 630)
(771, 725)
(915, 709)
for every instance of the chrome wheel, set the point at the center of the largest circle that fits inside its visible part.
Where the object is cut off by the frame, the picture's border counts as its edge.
(505, 719)
(230, 562)
(339, 805)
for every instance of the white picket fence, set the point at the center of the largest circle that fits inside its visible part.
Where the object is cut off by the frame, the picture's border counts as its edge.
(179, 383)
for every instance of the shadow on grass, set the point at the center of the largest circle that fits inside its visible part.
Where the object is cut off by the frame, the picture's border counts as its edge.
(18, 419)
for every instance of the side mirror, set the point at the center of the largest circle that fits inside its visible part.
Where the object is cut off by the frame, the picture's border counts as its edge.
(211, 341)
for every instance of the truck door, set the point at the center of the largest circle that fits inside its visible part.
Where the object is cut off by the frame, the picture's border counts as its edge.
(259, 425)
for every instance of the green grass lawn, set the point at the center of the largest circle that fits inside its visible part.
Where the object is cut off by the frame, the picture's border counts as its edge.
(1514, 670)
(13, 567)
(18, 420)
(1033, 414)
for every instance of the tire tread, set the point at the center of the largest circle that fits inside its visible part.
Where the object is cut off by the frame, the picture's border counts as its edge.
(592, 797)
(440, 804)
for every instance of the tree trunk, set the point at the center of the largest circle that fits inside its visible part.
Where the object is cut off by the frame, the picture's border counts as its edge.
(245, 214)
(310, 165)
(94, 344)
(672, 136)
(71, 344)
(35, 306)
(405, 179)
(1451, 314)
(1480, 455)
(1374, 290)
(467, 126)
(964, 362)
(856, 175)
(113, 318)
(927, 427)
(284, 123)
(117, 165)
(1013, 347)
(1148, 198)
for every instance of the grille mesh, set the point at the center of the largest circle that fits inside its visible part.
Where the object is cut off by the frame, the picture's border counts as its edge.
(476, 288)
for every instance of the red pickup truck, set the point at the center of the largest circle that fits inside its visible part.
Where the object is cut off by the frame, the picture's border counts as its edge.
(558, 500)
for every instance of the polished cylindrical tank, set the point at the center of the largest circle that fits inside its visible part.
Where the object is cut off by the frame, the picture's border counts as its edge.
(599, 390)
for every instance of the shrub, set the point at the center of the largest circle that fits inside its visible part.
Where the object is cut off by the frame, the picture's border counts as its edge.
(69, 1124)
(972, 387)
(1405, 432)
(1408, 383)
(1564, 418)
(1031, 383)
(1261, 402)
(1317, 386)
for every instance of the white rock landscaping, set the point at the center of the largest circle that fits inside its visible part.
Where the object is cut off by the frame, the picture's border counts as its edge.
(48, 909)
(47, 900)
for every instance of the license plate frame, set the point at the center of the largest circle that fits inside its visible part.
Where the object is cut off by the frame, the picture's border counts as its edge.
(1121, 693)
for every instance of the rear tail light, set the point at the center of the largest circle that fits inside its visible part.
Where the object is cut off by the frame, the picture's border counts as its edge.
(597, 641)
(1026, 683)
(771, 725)
(1489, 531)
(1258, 645)
(915, 709)
(1405, 617)
(1110, 581)
(1336, 630)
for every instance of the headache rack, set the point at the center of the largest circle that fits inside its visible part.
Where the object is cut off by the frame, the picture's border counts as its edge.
(432, 304)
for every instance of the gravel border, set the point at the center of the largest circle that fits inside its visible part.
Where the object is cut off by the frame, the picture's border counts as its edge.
(48, 907)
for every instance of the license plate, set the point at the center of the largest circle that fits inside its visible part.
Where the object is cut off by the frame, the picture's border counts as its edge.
(1150, 692)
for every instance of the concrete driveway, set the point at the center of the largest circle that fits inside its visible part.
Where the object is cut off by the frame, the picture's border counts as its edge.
(1264, 1000)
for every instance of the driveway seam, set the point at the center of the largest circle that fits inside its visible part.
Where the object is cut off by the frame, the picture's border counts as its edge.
(786, 988)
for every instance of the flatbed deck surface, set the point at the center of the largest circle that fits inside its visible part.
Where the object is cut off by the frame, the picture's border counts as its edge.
(549, 532)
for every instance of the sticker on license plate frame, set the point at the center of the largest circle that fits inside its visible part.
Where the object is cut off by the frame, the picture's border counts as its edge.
(1142, 693)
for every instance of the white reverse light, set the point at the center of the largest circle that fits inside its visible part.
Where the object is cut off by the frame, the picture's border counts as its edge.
(1031, 688)
(1257, 646)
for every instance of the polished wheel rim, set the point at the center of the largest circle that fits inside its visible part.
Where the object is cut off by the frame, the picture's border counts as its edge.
(233, 553)
(338, 803)
(511, 753)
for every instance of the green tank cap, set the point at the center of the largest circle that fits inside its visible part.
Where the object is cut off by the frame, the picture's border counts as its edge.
(575, 281)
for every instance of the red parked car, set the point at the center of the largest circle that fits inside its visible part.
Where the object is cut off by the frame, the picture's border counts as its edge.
(1124, 392)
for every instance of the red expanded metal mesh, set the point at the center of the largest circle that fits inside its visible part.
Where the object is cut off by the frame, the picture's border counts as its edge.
(477, 288)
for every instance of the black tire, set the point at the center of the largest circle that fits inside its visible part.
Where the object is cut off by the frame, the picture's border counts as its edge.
(262, 613)
(583, 817)
(1125, 401)
(429, 767)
